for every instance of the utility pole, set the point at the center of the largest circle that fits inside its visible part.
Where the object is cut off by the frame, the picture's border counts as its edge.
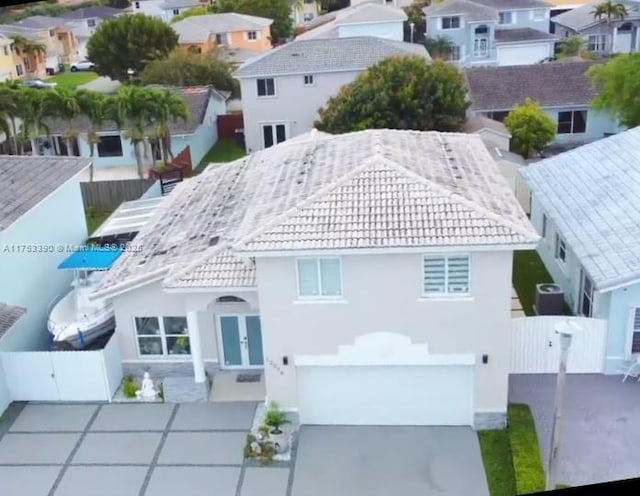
(566, 330)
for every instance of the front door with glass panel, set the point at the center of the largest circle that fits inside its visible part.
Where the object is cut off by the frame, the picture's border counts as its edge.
(240, 339)
(272, 134)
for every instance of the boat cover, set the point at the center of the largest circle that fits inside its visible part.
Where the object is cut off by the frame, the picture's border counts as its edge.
(92, 258)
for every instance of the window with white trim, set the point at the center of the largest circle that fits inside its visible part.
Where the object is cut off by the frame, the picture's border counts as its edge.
(221, 39)
(446, 275)
(454, 53)
(308, 80)
(266, 87)
(451, 22)
(544, 225)
(572, 122)
(506, 18)
(91, 23)
(597, 43)
(252, 35)
(586, 295)
(319, 277)
(561, 249)
(162, 336)
(635, 329)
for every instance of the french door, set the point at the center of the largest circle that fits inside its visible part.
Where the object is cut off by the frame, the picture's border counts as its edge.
(272, 134)
(240, 342)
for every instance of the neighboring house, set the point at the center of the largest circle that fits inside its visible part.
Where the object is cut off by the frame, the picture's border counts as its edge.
(199, 133)
(561, 6)
(9, 316)
(586, 206)
(492, 32)
(304, 11)
(365, 19)
(497, 139)
(309, 71)
(163, 9)
(41, 219)
(342, 267)
(561, 88)
(395, 3)
(622, 36)
(7, 66)
(232, 31)
(83, 23)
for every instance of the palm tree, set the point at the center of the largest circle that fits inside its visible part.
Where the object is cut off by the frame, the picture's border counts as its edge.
(169, 107)
(440, 47)
(611, 11)
(34, 50)
(33, 111)
(8, 110)
(62, 103)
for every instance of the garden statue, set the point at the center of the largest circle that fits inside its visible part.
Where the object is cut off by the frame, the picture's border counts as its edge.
(147, 392)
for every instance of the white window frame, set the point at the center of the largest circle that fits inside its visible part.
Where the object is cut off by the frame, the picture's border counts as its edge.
(162, 336)
(441, 22)
(255, 35)
(224, 37)
(512, 17)
(573, 121)
(560, 245)
(630, 332)
(478, 52)
(455, 50)
(446, 293)
(320, 296)
(308, 80)
(287, 131)
(275, 88)
(91, 23)
(599, 44)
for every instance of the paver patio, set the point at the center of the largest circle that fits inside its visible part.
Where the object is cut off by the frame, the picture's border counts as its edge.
(600, 430)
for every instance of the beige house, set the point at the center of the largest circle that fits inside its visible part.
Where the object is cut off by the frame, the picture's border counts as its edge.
(366, 277)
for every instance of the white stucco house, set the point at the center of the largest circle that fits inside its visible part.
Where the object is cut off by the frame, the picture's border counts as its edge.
(309, 71)
(371, 268)
(41, 217)
(199, 133)
(586, 207)
(84, 22)
(163, 9)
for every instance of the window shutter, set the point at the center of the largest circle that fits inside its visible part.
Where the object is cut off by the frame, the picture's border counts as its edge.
(434, 275)
(458, 274)
(635, 338)
(330, 277)
(308, 278)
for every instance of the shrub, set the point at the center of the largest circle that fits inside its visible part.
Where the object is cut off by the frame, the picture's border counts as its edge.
(130, 386)
(275, 418)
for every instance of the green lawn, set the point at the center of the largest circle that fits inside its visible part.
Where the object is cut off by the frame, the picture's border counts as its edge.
(528, 270)
(73, 79)
(95, 220)
(525, 449)
(225, 150)
(498, 464)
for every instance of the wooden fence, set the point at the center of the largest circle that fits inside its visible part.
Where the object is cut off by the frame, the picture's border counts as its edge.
(106, 196)
(228, 123)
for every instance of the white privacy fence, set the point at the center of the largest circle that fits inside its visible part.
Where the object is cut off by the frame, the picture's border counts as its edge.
(63, 375)
(535, 347)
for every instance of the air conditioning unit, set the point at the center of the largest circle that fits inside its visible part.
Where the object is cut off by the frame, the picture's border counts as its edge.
(549, 299)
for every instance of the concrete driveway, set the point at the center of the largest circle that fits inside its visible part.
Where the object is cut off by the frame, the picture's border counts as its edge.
(600, 425)
(383, 461)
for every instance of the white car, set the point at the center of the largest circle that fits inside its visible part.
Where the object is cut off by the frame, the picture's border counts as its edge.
(83, 65)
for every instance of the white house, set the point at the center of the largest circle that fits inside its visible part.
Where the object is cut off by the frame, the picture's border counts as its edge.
(586, 207)
(304, 11)
(309, 71)
(387, 253)
(115, 150)
(365, 19)
(84, 22)
(163, 9)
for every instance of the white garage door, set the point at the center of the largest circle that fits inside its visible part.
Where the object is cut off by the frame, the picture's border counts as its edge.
(523, 54)
(385, 385)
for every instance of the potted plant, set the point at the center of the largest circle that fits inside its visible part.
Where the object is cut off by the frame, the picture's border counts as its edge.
(275, 419)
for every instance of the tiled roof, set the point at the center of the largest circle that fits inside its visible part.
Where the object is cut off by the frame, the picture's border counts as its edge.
(9, 315)
(514, 4)
(478, 123)
(370, 12)
(581, 17)
(325, 55)
(26, 180)
(554, 84)
(473, 11)
(41, 22)
(521, 34)
(97, 11)
(198, 28)
(499, 154)
(197, 98)
(368, 189)
(592, 195)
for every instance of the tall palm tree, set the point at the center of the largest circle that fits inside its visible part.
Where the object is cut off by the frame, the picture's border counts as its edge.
(611, 11)
(8, 110)
(62, 103)
(33, 111)
(439, 47)
(169, 107)
(34, 50)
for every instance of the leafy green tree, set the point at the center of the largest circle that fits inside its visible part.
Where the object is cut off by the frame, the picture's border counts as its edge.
(399, 93)
(32, 111)
(62, 103)
(8, 111)
(129, 42)
(35, 51)
(618, 85)
(191, 69)
(610, 11)
(194, 11)
(278, 10)
(439, 47)
(532, 130)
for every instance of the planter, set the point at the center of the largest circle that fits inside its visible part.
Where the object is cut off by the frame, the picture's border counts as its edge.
(280, 440)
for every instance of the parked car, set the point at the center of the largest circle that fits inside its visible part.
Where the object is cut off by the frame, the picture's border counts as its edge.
(83, 65)
(39, 83)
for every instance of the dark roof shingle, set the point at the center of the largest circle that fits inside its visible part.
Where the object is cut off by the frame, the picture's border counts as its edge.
(97, 11)
(554, 84)
(521, 34)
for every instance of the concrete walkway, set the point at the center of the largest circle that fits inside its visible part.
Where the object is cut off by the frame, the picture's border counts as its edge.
(101, 84)
(600, 426)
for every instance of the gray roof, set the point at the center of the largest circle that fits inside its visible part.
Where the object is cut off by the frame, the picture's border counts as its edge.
(9, 315)
(554, 84)
(26, 180)
(41, 22)
(473, 11)
(98, 11)
(197, 98)
(370, 12)
(582, 17)
(325, 192)
(199, 28)
(479, 122)
(517, 35)
(514, 4)
(500, 154)
(592, 195)
(176, 4)
(327, 55)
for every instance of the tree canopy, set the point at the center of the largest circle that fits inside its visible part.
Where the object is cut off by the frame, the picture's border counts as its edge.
(531, 129)
(191, 69)
(278, 10)
(415, 15)
(129, 42)
(618, 85)
(403, 92)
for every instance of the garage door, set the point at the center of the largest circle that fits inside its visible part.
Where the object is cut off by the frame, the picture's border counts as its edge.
(523, 54)
(394, 383)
